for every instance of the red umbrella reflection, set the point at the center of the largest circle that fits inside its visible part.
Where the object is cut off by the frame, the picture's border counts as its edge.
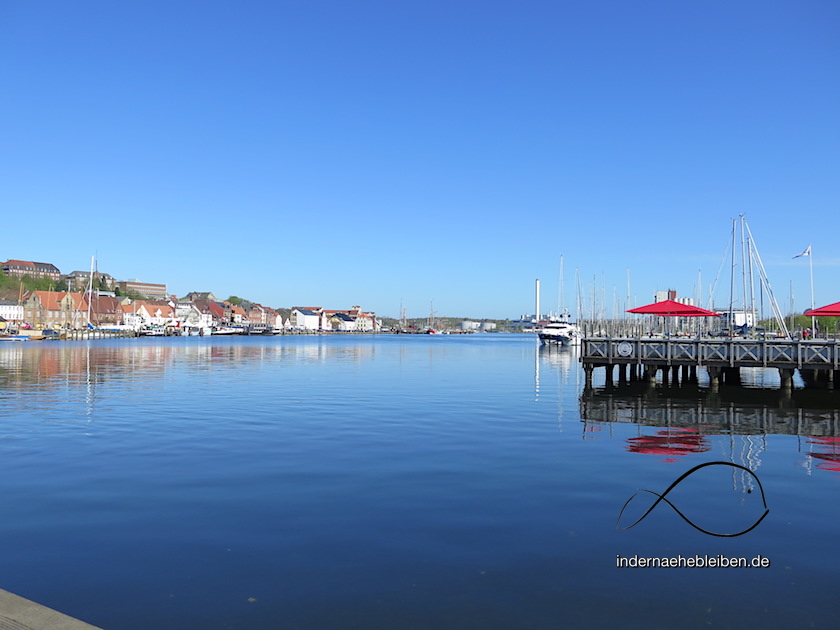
(831, 459)
(673, 443)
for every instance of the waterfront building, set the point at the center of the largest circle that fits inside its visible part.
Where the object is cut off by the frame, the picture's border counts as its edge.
(237, 314)
(55, 308)
(211, 309)
(45, 308)
(132, 318)
(104, 309)
(11, 310)
(283, 318)
(308, 318)
(190, 315)
(342, 322)
(352, 320)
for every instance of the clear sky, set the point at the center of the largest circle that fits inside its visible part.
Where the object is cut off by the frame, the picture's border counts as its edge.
(334, 153)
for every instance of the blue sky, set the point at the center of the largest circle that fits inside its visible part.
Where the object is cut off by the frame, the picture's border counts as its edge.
(377, 153)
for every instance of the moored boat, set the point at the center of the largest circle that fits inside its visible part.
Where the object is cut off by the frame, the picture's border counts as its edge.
(560, 332)
(15, 337)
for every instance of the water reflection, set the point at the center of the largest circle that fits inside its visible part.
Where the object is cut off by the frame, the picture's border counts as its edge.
(34, 365)
(669, 442)
(68, 380)
(563, 365)
(827, 451)
(673, 423)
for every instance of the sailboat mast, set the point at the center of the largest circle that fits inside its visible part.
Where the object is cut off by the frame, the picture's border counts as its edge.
(732, 284)
(811, 265)
(561, 293)
(90, 289)
(744, 301)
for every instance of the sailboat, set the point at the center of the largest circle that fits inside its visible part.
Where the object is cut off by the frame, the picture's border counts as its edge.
(431, 330)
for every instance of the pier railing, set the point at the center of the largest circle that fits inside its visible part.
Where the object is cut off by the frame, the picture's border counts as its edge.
(778, 353)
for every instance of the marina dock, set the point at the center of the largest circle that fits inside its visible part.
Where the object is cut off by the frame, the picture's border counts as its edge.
(678, 359)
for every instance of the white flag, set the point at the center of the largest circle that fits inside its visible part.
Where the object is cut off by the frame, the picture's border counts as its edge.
(807, 252)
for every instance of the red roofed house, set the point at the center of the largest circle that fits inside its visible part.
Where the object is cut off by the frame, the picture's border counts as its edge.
(105, 309)
(55, 308)
(212, 308)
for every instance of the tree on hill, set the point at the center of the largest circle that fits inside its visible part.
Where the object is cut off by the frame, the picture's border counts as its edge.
(14, 283)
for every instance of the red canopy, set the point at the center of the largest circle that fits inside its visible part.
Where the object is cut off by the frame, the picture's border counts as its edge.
(832, 310)
(670, 307)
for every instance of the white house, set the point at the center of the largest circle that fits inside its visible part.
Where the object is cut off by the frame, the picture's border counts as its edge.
(189, 315)
(11, 310)
(131, 317)
(343, 322)
(307, 319)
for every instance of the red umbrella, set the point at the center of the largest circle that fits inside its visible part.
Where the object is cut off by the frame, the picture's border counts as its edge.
(672, 308)
(832, 310)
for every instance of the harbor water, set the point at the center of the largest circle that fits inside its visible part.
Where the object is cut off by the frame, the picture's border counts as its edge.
(404, 481)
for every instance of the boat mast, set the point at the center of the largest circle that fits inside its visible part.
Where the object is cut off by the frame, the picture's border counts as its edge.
(811, 266)
(744, 274)
(762, 273)
(90, 290)
(750, 248)
(561, 295)
(791, 303)
(732, 284)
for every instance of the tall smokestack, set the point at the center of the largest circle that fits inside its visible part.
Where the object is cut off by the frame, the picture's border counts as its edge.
(537, 311)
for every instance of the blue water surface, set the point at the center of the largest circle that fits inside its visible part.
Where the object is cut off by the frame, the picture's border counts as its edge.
(400, 481)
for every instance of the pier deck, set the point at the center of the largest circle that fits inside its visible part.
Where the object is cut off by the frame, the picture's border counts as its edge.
(818, 360)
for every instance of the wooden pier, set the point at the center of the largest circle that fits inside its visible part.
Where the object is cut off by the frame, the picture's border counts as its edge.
(678, 359)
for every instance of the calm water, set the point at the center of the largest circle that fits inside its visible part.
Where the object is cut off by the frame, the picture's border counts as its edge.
(399, 482)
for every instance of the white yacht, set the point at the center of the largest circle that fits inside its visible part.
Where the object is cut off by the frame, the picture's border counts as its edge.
(559, 331)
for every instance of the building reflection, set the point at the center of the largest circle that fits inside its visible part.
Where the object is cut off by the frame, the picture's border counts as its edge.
(44, 365)
(673, 423)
